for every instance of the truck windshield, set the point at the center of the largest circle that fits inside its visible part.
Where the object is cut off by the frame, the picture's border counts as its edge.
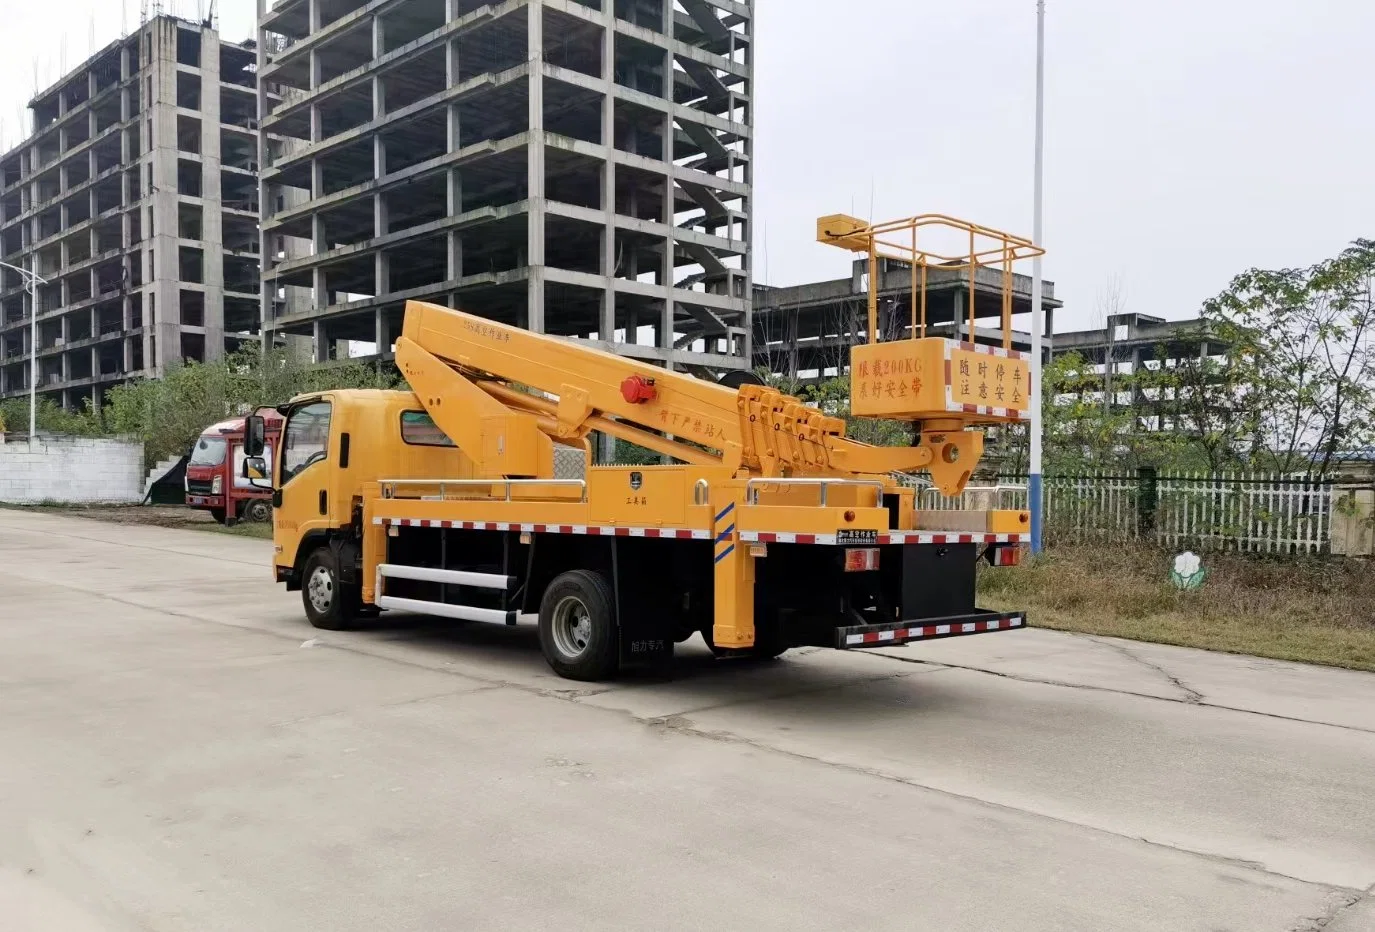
(208, 451)
(307, 438)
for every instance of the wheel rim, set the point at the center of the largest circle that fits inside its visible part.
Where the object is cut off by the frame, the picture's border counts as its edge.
(572, 627)
(258, 511)
(320, 589)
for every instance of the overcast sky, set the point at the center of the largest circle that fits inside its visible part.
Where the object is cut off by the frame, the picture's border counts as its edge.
(1186, 141)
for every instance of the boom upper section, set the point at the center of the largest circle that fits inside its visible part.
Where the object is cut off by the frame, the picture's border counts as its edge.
(504, 394)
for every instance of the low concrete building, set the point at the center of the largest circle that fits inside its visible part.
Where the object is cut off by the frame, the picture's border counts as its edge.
(71, 471)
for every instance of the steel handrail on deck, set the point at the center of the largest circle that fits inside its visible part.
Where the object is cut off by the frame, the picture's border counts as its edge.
(999, 491)
(752, 487)
(389, 486)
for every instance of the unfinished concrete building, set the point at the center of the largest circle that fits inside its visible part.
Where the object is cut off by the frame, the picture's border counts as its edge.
(136, 199)
(576, 167)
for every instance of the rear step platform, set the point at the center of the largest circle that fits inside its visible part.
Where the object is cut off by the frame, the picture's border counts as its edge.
(927, 629)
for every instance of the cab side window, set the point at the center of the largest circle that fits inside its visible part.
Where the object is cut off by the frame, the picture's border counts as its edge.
(306, 441)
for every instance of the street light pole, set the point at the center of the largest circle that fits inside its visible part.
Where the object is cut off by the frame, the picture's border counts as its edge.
(33, 279)
(1035, 491)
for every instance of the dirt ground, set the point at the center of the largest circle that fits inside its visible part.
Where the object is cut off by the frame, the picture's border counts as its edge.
(170, 516)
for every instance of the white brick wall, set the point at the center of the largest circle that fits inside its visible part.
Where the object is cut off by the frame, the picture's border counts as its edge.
(71, 470)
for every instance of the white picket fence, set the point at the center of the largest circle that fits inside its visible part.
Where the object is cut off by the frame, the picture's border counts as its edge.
(1246, 512)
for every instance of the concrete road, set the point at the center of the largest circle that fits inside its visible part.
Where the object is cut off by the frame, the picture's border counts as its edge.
(180, 751)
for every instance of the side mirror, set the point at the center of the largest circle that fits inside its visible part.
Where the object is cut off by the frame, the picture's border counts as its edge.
(254, 468)
(254, 436)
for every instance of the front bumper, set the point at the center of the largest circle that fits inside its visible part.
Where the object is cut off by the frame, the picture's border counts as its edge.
(927, 629)
(205, 501)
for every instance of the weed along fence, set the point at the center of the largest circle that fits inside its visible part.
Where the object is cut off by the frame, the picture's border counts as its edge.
(1245, 512)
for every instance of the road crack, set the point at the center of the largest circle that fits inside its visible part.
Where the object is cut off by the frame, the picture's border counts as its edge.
(1201, 701)
(682, 725)
(1191, 696)
(1340, 905)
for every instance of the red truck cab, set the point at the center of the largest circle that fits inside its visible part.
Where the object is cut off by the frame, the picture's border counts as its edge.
(214, 472)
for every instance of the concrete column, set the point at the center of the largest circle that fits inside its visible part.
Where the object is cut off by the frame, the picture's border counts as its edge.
(379, 37)
(607, 325)
(666, 334)
(379, 156)
(454, 263)
(321, 344)
(382, 271)
(163, 296)
(65, 358)
(212, 197)
(379, 98)
(380, 215)
(382, 338)
(791, 322)
(535, 179)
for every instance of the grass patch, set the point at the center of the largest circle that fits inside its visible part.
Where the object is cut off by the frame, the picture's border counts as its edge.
(254, 530)
(1315, 611)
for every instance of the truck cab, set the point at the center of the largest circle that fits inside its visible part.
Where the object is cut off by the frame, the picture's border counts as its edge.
(333, 445)
(215, 479)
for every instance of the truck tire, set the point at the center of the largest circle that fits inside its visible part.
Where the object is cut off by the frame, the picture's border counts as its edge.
(218, 514)
(256, 510)
(330, 604)
(577, 627)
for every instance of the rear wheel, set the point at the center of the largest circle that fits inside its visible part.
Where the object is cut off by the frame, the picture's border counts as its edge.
(257, 510)
(330, 604)
(577, 627)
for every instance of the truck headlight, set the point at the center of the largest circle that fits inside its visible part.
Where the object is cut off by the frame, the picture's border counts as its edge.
(217, 486)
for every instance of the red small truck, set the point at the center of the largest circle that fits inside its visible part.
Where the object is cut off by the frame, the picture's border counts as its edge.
(214, 472)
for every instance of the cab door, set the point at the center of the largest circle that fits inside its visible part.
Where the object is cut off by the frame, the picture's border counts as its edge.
(304, 475)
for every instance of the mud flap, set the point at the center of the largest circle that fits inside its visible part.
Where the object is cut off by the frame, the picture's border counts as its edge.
(643, 636)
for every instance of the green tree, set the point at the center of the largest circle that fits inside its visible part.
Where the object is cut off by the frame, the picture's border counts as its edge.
(1302, 343)
(169, 413)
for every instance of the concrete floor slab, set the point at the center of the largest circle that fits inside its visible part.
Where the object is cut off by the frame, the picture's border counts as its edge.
(1288, 796)
(1271, 687)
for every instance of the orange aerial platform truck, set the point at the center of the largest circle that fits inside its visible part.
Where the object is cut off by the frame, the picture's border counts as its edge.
(765, 528)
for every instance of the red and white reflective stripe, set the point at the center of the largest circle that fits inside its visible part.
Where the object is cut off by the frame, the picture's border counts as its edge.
(948, 537)
(933, 631)
(591, 530)
(993, 351)
(984, 410)
(892, 537)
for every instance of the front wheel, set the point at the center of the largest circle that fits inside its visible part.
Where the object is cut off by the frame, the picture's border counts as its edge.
(577, 627)
(330, 603)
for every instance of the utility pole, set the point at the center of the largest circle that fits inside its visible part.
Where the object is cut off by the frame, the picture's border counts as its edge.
(1035, 491)
(33, 279)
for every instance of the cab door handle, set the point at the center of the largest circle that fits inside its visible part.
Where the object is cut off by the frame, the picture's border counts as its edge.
(324, 502)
